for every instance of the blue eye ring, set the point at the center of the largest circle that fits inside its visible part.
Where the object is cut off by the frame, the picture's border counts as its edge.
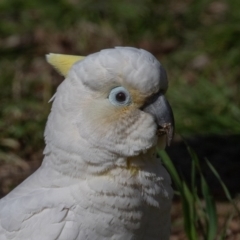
(119, 96)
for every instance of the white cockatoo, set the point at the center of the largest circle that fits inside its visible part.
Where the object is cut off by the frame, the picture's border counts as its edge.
(100, 178)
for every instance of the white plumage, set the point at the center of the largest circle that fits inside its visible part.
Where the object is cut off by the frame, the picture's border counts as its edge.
(99, 179)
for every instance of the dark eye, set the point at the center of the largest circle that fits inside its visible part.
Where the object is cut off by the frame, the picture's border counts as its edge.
(119, 96)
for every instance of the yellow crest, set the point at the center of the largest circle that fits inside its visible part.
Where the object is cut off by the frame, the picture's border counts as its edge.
(62, 62)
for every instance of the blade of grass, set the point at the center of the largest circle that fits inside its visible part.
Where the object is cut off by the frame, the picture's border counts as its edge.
(211, 213)
(225, 189)
(210, 216)
(171, 168)
(187, 198)
(189, 212)
(197, 216)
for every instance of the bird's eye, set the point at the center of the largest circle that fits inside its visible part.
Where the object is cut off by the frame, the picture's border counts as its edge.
(119, 96)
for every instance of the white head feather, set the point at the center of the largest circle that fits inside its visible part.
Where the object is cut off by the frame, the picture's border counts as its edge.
(83, 118)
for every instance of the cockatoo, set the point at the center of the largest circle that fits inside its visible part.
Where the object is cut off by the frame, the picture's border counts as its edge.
(100, 178)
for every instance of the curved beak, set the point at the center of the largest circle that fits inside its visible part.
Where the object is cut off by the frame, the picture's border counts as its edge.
(162, 111)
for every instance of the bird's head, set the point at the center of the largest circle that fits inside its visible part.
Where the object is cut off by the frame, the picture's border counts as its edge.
(112, 100)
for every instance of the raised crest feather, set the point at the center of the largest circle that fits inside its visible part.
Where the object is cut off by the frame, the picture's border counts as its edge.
(62, 62)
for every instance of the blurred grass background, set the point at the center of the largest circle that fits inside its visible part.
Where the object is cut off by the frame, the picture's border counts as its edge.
(198, 42)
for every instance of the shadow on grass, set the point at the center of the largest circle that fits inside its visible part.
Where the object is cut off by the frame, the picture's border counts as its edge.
(222, 151)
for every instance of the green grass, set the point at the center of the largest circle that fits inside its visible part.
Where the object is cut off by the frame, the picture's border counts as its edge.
(196, 41)
(204, 95)
(199, 206)
(205, 106)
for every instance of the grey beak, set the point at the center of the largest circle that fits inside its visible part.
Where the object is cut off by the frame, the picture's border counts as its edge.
(162, 111)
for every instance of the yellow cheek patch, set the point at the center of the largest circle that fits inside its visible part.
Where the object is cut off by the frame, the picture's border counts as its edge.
(62, 62)
(138, 99)
(113, 114)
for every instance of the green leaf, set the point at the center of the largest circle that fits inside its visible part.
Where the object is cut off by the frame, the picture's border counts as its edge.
(211, 213)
